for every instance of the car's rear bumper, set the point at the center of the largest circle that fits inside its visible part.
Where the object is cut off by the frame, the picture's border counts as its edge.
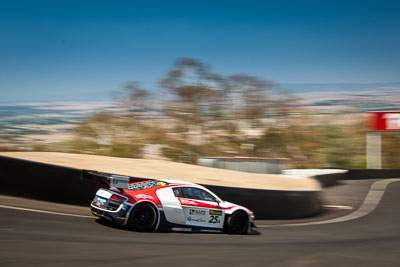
(119, 217)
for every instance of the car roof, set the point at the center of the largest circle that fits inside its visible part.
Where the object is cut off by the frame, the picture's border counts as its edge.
(168, 183)
(183, 183)
(171, 182)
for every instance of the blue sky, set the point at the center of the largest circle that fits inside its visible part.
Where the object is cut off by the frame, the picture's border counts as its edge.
(56, 50)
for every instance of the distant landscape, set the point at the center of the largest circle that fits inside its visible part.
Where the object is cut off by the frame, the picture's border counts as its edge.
(29, 123)
(52, 126)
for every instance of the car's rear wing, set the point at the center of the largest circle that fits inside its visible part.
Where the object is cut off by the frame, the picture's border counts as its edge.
(119, 181)
(105, 178)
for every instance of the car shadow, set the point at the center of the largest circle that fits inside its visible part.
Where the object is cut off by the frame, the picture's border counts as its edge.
(108, 223)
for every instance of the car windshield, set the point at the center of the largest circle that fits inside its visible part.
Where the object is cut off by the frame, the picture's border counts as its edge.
(193, 193)
(146, 185)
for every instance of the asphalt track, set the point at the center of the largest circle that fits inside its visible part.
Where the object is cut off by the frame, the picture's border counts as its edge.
(39, 239)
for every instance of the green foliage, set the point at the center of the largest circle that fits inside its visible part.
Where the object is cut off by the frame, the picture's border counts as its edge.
(314, 147)
(391, 150)
(6, 148)
(181, 153)
(126, 150)
(83, 145)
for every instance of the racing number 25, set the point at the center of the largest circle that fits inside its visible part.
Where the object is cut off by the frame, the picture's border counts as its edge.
(214, 219)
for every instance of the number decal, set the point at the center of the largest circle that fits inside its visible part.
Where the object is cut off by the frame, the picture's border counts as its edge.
(214, 219)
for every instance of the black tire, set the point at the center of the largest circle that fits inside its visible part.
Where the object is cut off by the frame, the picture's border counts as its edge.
(238, 223)
(143, 217)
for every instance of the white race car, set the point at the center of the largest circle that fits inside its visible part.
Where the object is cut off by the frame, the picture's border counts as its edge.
(169, 205)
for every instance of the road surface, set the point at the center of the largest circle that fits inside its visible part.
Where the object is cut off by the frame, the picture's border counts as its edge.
(31, 238)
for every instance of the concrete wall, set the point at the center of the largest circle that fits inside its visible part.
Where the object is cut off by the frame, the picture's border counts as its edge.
(74, 186)
(254, 165)
(326, 177)
(358, 174)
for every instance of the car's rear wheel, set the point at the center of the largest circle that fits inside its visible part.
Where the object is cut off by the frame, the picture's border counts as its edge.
(143, 217)
(238, 223)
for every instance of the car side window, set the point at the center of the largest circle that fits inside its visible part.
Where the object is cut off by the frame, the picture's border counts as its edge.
(197, 193)
(177, 192)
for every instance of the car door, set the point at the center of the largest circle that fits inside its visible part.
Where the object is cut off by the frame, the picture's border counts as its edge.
(172, 207)
(200, 208)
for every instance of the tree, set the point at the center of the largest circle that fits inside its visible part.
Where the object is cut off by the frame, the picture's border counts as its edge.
(134, 98)
(248, 96)
(195, 93)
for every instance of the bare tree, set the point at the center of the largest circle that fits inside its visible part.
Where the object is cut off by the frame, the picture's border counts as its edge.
(248, 95)
(134, 98)
(195, 92)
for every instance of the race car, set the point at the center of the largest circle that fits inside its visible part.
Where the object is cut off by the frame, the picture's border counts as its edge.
(169, 205)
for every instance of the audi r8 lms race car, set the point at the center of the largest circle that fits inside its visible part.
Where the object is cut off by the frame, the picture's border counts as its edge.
(169, 205)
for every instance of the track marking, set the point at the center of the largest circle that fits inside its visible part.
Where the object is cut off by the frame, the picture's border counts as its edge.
(337, 207)
(6, 229)
(45, 211)
(371, 201)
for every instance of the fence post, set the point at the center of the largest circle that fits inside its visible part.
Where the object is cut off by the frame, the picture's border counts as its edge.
(374, 160)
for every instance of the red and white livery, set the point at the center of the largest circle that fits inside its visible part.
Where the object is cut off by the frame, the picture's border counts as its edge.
(169, 205)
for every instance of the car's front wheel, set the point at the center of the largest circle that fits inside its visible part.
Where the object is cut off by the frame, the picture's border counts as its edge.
(143, 217)
(238, 223)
